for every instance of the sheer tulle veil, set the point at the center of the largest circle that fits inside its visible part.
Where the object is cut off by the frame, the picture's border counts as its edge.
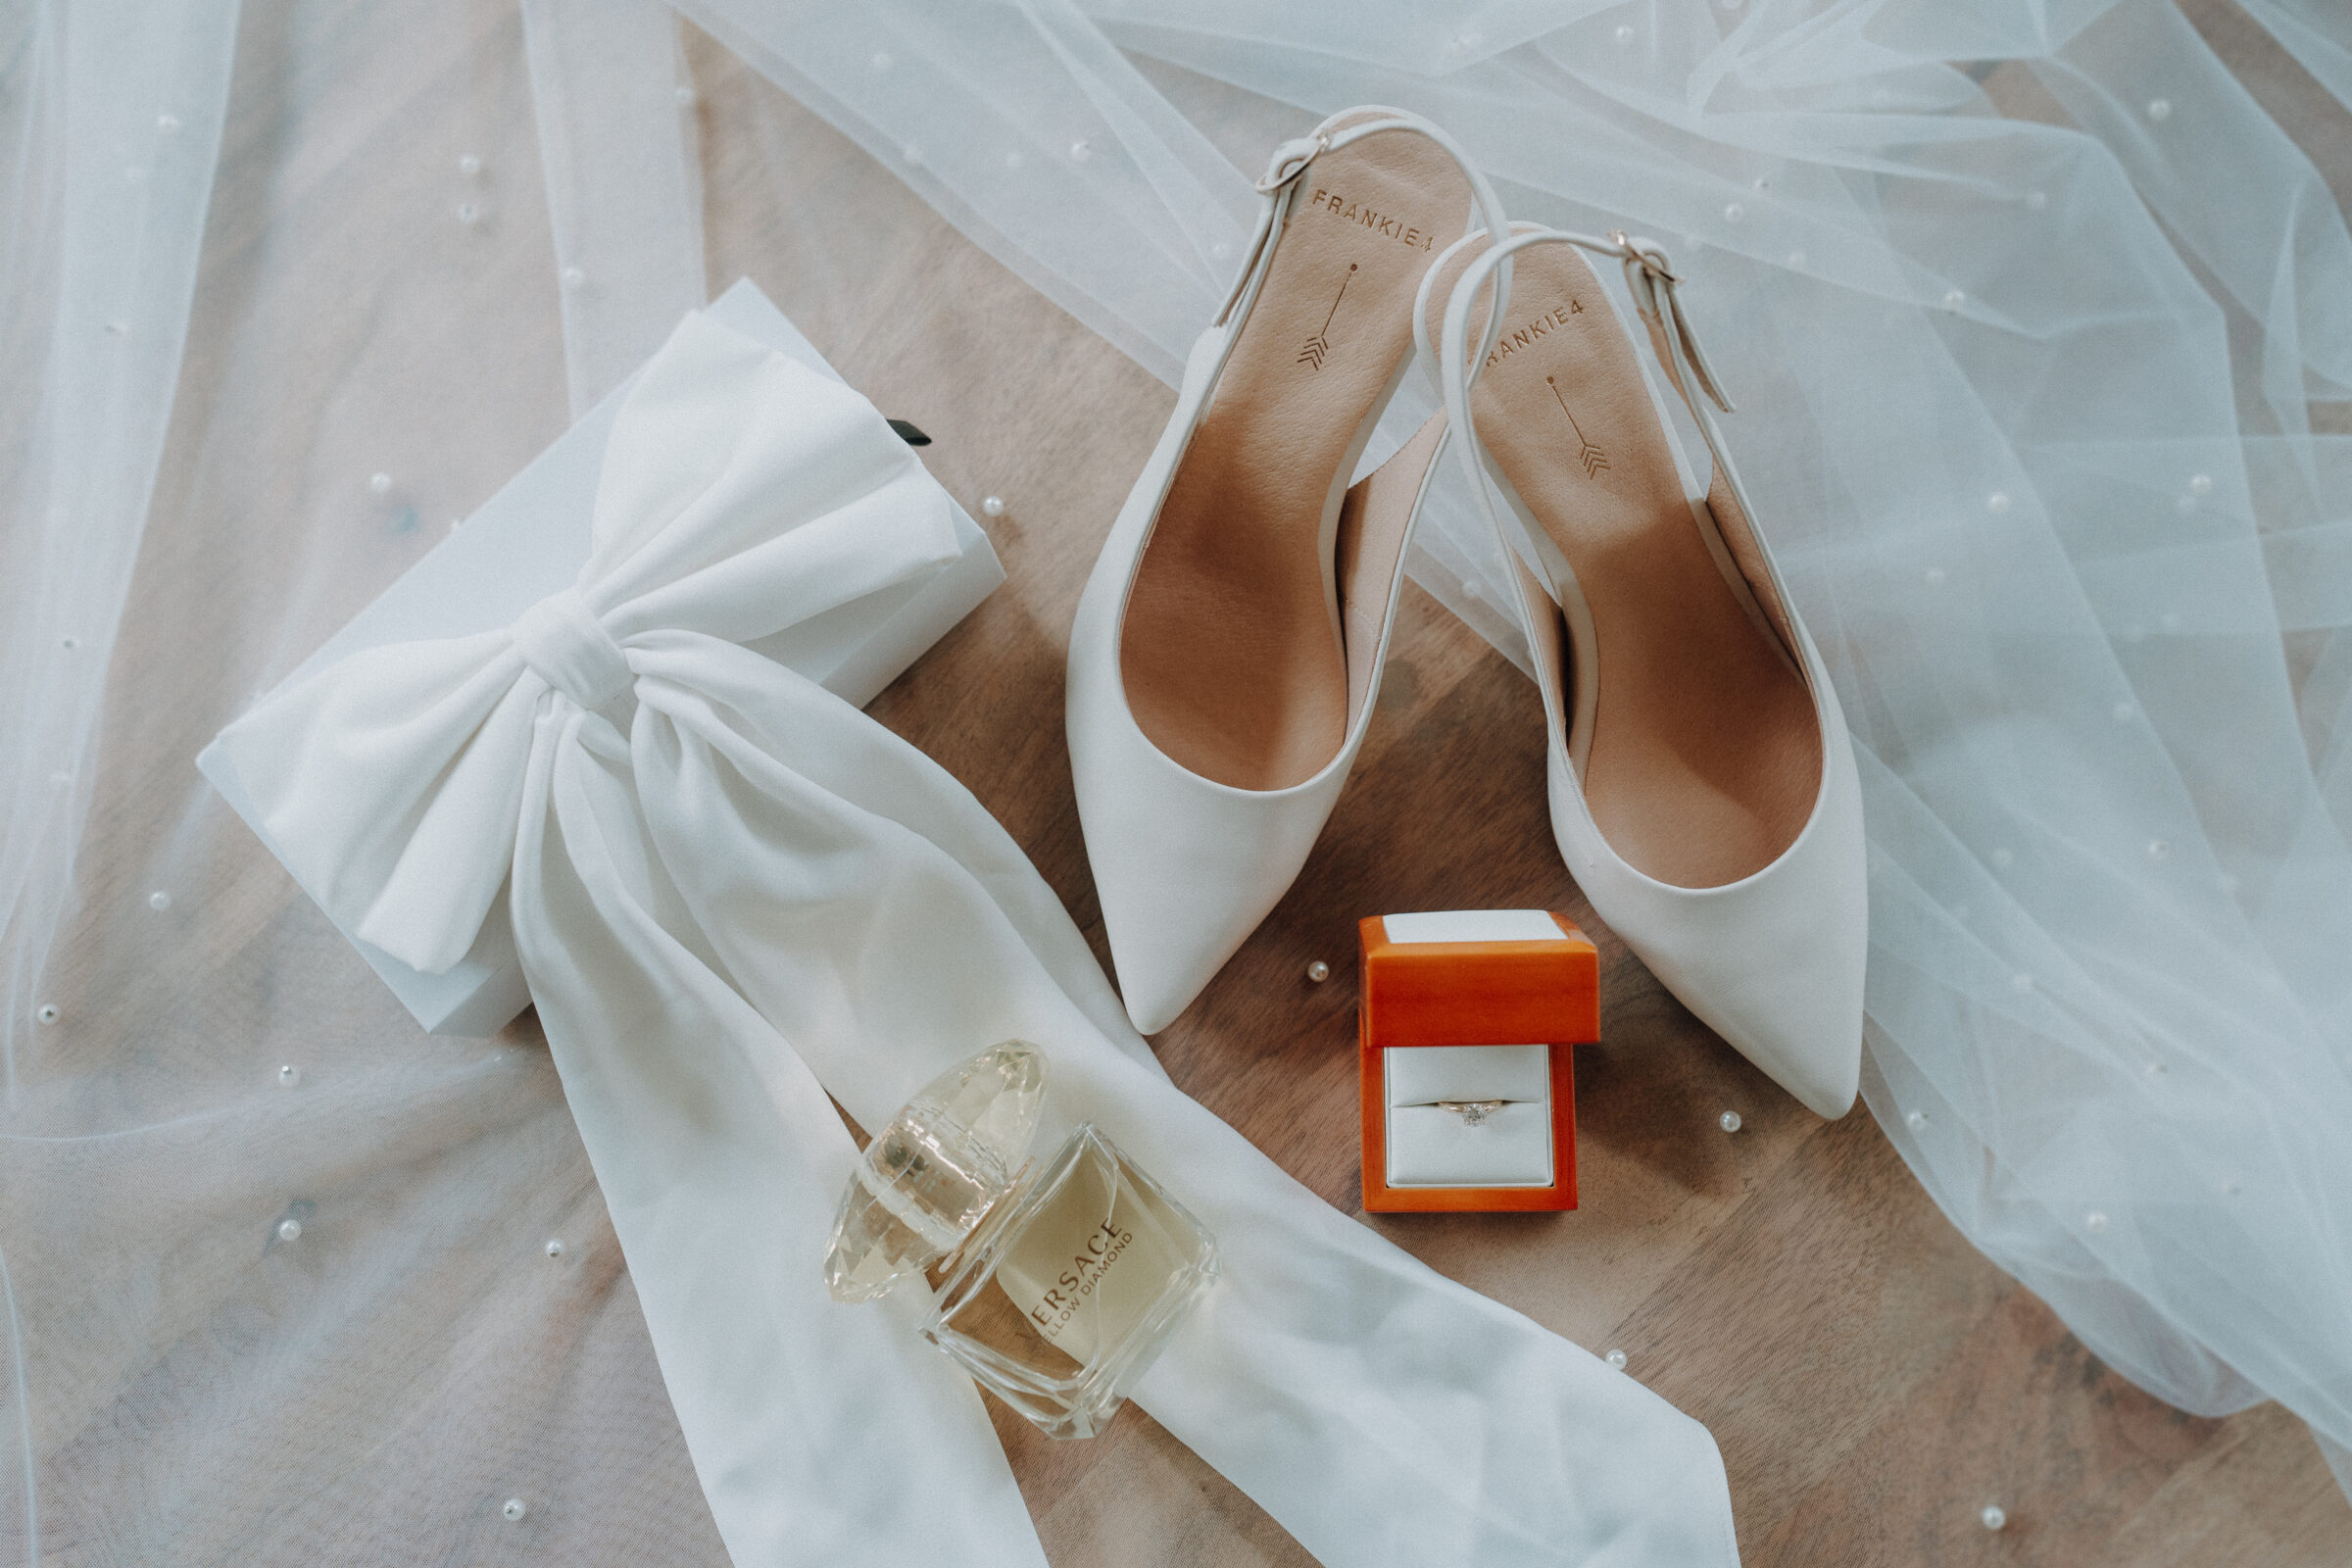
(2039, 325)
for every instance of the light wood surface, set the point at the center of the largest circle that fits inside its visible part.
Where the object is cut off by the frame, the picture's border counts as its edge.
(1873, 1382)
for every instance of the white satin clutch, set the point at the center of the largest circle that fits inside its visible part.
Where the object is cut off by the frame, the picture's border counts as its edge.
(733, 894)
(530, 539)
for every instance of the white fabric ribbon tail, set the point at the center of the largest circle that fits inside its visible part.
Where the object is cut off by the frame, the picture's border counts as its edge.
(733, 894)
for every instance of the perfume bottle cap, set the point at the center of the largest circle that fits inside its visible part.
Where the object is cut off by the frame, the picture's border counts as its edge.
(927, 1178)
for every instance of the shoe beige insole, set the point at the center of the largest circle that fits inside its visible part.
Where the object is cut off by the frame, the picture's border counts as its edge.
(1705, 753)
(1232, 652)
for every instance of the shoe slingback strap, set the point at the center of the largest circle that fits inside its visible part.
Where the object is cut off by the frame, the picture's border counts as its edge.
(1280, 186)
(1651, 279)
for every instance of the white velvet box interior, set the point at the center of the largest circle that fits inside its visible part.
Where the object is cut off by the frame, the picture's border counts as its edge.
(1432, 1147)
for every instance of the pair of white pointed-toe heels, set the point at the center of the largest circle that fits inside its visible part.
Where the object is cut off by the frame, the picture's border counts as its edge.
(1229, 644)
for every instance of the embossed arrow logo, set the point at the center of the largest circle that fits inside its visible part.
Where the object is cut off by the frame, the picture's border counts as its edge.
(1591, 457)
(1318, 346)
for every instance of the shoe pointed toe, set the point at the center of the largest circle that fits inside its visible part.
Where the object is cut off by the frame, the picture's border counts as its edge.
(1166, 958)
(1804, 1032)
(1185, 867)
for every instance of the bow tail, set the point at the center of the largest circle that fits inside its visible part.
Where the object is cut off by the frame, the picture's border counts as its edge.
(821, 1433)
(1379, 1412)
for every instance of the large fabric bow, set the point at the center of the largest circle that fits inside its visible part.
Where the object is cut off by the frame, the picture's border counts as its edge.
(732, 893)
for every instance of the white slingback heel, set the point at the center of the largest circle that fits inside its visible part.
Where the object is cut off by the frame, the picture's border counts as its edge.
(1228, 646)
(1702, 787)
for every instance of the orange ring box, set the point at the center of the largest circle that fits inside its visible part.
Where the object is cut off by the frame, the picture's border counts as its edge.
(1512, 983)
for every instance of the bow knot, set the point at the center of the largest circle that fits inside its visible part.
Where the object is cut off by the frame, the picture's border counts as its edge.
(563, 643)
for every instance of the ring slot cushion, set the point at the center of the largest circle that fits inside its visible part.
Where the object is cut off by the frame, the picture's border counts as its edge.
(1431, 1146)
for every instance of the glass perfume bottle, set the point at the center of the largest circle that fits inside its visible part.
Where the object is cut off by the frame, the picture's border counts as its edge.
(1054, 1287)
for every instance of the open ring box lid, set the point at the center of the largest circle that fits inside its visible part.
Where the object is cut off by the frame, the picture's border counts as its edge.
(1465, 1037)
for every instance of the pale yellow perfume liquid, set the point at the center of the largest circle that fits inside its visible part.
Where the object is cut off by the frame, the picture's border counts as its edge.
(1091, 1270)
(1093, 1261)
(1056, 1289)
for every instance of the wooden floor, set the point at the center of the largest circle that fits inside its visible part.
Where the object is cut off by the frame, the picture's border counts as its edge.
(1872, 1380)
